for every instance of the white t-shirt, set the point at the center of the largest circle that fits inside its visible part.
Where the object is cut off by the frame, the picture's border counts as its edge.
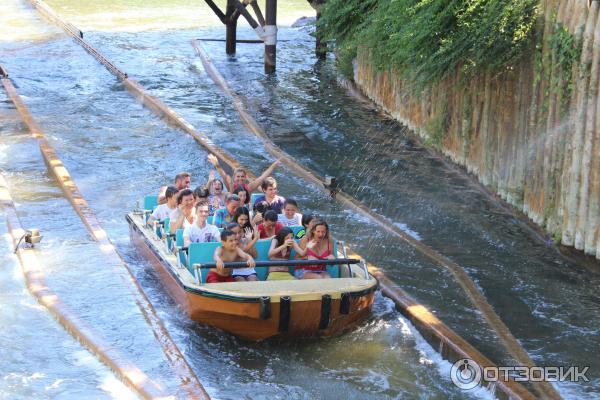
(162, 211)
(295, 221)
(195, 234)
(175, 214)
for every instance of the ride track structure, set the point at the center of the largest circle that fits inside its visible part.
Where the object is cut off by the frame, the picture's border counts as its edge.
(425, 322)
(190, 385)
(510, 343)
(33, 270)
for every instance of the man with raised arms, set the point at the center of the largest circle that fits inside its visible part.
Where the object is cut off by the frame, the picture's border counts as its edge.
(240, 177)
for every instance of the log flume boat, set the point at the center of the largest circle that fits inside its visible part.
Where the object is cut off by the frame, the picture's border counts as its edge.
(261, 309)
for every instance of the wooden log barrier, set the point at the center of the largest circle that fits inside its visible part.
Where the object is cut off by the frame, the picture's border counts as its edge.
(189, 381)
(33, 270)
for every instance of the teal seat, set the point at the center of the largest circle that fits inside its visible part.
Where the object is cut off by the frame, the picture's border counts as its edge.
(296, 229)
(254, 196)
(179, 244)
(334, 270)
(150, 202)
(167, 228)
(262, 254)
(210, 219)
(201, 253)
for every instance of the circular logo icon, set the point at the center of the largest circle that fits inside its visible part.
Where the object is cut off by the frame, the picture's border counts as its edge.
(465, 374)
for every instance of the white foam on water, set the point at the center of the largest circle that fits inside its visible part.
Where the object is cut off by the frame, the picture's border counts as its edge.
(116, 389)
(428, 356)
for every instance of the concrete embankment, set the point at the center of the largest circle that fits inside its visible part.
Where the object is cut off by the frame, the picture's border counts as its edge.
(530, 134)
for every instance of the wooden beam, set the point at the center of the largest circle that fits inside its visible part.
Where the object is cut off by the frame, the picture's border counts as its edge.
(231, 27)
(271, 36)
(216, 10)
(241, 9)
(258, 13)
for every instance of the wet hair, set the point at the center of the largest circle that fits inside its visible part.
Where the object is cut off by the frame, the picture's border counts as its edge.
(280, 237)
(290, 201)
(322, 222)
(182, 194)
(201, 203)
(232, 197)
(239, 212)
(231, 226)
(170, 191)
(201, 192)
(267, 183)
(306, 218)
(235, 171)
(261, 207)
(240, 188)
(225, 234)
(271, 216)
(211, 189)
(182, 175)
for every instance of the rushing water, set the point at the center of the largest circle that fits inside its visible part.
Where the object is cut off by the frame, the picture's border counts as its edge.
(118, 151)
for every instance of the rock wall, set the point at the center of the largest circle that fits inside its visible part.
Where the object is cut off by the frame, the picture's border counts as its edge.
(530, 133)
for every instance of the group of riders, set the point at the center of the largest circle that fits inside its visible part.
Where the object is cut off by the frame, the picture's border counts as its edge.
(239, 225)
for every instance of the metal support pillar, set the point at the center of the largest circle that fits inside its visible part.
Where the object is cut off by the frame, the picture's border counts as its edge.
(231, 27)
(270, 36)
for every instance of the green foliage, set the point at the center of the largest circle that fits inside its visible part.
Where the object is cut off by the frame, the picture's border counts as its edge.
(566, 54)
(438, 125)
(426, 40)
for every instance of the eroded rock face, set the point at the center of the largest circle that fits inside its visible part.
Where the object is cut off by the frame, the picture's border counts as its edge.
(510, 132)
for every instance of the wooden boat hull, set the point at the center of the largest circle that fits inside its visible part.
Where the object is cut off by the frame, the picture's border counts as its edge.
(249, 317)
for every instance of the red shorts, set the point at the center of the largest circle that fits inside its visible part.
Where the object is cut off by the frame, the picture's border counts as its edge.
(213, 277)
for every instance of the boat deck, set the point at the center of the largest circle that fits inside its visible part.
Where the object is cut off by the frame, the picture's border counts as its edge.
(300, 289)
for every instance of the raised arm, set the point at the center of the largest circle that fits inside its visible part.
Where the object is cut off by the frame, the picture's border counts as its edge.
(252, 186)
(228, 180)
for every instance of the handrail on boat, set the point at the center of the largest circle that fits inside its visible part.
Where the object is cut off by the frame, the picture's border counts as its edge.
(282, 263)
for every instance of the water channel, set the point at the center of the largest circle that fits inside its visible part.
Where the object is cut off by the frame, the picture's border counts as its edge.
(117, 151)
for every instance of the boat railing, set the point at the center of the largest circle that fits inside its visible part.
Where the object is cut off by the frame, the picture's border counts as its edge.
(345, 255)
(279, 263)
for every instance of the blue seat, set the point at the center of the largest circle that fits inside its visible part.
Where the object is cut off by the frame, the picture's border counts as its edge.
(296, 229)
(150, 202)
(167, 229)
(254, 196)
(179, 244)
(334, 270)
(201, 253)
(262, 254)
(210, 219)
